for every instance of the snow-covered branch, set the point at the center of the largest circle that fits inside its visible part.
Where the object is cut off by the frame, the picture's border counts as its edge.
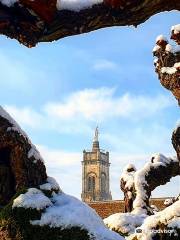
(167, 62)
(36, 21)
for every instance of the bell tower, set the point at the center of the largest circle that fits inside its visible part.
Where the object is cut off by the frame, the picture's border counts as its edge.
(95, 173)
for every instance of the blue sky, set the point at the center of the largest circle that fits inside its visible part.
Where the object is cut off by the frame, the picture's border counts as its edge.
(58, 92)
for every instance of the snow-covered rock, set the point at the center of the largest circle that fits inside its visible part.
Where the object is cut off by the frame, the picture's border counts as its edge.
(33, 198)
(64, 212)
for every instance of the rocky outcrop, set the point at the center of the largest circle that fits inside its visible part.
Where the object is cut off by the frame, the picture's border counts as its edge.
(20, 163)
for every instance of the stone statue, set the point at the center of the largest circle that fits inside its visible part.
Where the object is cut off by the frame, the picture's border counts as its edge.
(96, 135)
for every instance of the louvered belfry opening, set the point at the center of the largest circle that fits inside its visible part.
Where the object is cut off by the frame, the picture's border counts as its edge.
(7, 179)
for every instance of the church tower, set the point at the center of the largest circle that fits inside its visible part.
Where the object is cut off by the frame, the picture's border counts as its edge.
(95, 173)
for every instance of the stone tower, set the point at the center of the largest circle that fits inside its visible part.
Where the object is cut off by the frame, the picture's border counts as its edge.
(95, 173)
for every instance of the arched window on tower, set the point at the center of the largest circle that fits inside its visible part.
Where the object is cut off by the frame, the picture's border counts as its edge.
(103, 182)
(91, 183)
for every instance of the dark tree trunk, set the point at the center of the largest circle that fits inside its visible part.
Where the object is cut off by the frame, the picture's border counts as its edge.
(36, 21)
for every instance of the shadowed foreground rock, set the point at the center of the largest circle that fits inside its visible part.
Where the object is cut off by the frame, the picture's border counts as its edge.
(20, 163)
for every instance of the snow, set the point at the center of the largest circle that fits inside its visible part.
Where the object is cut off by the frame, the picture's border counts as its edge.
(8, 3)
(174, 223)
(176, 28)
(168, 70)
(160, 158)
(33, 198)
(50, 185)
(177, 65)
(73, 5)
(161, 38)
(154, 208)
(155, 60)
(33, 152)
(125, 223)
(168, 201)
(15, 126)
(128, 177)
(140, 181)
(169, 48)
(176, 49)
(156, 48)
(76, 5)
(169, 216)
(68, 211)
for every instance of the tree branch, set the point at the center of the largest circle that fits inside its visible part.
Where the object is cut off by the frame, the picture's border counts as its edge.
(36, 21)
(167, 62)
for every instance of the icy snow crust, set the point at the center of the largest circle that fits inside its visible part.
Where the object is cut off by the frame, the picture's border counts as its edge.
(33, 152)
(64, 211)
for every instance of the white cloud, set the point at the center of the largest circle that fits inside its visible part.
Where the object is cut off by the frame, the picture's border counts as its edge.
(102, 104)
(25, 116)
(82, 109)
(103, 64)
